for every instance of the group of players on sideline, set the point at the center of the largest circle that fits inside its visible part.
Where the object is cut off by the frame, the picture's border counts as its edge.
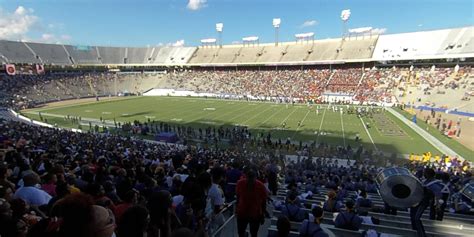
(60, 183)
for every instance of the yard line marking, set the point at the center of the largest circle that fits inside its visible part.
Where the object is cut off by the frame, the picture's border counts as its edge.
(368, 133)
(321, 125)
(250, 110)
(256, 115)
(343, 135)
(270, 117)
(302, 122)
(284, 120)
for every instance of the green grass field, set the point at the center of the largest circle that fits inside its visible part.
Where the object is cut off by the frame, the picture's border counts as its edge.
(386, 133)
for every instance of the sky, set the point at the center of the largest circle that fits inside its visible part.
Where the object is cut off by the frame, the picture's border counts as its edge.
(186, 22)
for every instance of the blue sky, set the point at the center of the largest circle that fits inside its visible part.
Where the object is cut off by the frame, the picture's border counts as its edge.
(153, 22)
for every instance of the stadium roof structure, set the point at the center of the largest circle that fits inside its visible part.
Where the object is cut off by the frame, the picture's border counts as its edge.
(454, 43)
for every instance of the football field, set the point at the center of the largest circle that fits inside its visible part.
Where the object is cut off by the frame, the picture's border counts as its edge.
(319, 123)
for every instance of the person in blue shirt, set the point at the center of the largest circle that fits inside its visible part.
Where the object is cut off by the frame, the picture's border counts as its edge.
(363, 202)
(291, 209)
(428, 200)
(348, 219)
(443, 192)
(312, 228)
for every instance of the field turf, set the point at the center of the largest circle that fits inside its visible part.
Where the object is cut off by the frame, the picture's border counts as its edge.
(385, 132)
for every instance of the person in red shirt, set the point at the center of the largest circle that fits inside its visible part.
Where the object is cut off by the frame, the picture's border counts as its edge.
(251, 203)
(130, 199)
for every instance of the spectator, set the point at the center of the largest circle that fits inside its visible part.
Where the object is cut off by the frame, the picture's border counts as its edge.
(331, 204)
(363, 202)
(251, 203)
(134, 222)
(31, 194)
(291, 209)
(312, 228)
(283, 227)
(130, 199)
(348, 219)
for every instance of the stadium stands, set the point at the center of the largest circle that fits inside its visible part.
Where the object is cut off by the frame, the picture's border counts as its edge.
(16, 52)
(83, 54)
(136, 55)
(357, 48)
(248, 54)
(204, 55)
(324, 50)
(226, 55)
(272, 54)
(111, 55)
(180, 55)
(50, 53)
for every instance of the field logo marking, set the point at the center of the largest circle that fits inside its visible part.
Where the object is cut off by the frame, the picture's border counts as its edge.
(106, 113)
(209, 109)
(88, 111)
(176, 119)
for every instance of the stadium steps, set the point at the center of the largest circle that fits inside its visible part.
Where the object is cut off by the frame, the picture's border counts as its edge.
(69, 91)
(237, 55)
(33, 52)
(360, 80)
(94, 92)
(329, 79)
(283, 53)
(309, 54)
(68, 55)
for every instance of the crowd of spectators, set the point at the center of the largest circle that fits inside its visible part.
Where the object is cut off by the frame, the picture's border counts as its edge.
(60, 183)
(364, 85)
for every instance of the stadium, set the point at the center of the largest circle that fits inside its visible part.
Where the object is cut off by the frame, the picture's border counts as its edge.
(347, 136)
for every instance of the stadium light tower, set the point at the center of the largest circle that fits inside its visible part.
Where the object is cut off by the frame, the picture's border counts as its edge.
(276, 24)
(219, 29)
(345, 15)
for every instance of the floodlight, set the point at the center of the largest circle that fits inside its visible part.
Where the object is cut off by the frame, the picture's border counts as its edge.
(276, 22)
(219, 27)
(345, 14)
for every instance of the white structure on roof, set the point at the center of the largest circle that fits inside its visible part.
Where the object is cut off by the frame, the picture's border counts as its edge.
(425, 45)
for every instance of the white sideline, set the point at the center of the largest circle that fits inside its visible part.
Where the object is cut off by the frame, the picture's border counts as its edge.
(424, 134)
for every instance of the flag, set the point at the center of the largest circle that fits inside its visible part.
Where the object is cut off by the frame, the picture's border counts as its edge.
(10, 69)
(39, 69)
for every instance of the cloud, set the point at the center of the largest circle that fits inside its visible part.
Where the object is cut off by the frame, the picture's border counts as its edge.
(179, 43)
(195, 5)
(47, 37)
(420, 25)
(53, 39)
(66, 37)
(309, 23)
(17, 24)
